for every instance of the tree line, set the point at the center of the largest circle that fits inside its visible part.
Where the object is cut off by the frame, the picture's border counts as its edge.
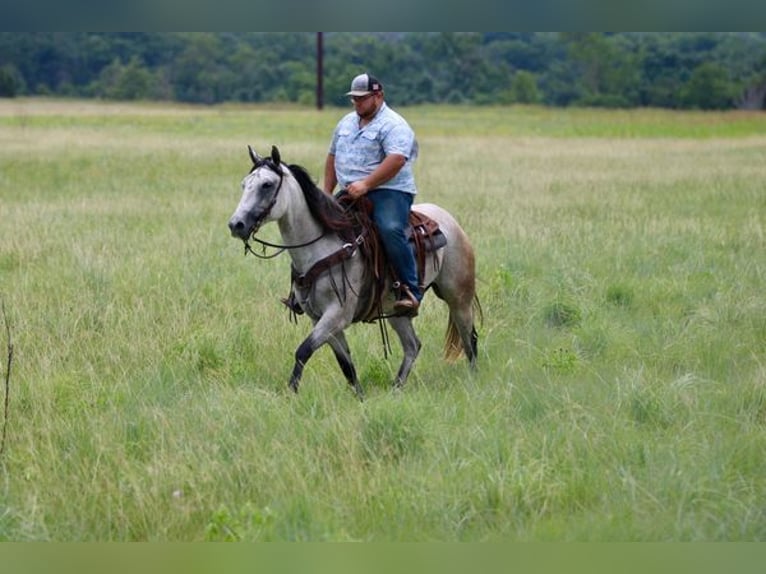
(702, 70)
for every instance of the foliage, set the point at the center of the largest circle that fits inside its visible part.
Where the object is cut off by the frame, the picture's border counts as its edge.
(9, 82)
(524, 88)
(708, 88)
(676, 70)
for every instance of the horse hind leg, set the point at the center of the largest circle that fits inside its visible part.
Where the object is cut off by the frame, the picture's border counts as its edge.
(459, 292)
(410, 347)
(461, 337)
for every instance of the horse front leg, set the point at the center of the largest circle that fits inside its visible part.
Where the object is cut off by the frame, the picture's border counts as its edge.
(410, 346)
(328, 326)
(343, 356)
(302, 355)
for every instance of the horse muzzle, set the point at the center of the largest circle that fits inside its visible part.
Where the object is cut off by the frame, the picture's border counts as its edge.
(240, 228)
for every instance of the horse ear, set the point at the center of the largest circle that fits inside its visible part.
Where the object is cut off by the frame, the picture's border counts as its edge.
(275, 155)
(253, 155)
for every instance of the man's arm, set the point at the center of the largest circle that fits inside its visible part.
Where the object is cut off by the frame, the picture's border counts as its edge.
(388, 168)
(330, 178)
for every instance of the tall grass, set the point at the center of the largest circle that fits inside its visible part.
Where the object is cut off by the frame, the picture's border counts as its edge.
(622, 385)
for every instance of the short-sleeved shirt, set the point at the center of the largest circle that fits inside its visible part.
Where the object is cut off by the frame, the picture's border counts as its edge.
(359, 151)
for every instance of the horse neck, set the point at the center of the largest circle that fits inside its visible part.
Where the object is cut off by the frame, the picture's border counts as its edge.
(297, 225)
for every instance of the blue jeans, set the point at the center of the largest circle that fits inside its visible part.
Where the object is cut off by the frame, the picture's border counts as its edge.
(391, 212)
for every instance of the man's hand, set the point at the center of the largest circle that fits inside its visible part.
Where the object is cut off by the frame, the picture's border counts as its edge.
(384, 172)
(357, 189)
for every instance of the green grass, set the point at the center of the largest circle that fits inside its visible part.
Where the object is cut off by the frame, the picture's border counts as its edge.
(621, 393)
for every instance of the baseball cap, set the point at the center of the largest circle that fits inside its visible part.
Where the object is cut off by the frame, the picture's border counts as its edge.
(364, 84)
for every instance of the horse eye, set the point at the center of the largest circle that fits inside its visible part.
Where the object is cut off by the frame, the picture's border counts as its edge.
(267, 185)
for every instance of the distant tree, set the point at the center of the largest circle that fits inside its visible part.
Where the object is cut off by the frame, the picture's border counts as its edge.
(455, 63)
(561, 84)
(522, 51)
(752, 93)
(130, 82)
(753, 97)
(9, 84)
(196, 72)
(602, 69)
(607, 70)
(708, 88)
(662, 74)
(524, 88)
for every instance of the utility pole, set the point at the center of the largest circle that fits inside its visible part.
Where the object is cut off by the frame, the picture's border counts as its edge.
(320, 72)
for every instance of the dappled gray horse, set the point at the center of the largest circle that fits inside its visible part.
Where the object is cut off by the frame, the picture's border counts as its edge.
(326, 247)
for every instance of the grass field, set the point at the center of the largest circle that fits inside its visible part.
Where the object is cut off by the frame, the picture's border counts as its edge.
(621, 393)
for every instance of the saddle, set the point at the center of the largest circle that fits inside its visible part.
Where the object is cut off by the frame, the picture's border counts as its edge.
(423, 232)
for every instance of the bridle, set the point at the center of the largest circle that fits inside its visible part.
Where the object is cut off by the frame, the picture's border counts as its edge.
(257, 164)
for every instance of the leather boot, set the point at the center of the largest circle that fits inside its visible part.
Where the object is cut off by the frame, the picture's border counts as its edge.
(407, 304)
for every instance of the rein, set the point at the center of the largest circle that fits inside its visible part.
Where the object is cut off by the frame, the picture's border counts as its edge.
(281, 248)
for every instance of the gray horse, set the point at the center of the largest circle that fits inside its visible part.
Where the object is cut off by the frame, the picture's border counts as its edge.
(316, 227)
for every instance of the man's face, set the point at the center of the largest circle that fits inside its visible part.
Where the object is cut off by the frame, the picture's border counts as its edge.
(366, 105)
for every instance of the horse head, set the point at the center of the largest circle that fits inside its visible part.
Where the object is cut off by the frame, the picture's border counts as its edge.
(260, 191)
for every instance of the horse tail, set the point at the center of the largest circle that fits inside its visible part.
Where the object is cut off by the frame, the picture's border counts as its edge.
(453, 348)
(453, 341)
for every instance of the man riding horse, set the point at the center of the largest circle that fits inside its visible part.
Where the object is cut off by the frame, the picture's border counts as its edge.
(371, 155)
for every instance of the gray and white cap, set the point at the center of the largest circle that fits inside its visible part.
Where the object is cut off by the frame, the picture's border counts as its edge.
(364, 84)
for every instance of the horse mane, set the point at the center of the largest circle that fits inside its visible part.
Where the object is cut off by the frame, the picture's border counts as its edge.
(323, 206)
